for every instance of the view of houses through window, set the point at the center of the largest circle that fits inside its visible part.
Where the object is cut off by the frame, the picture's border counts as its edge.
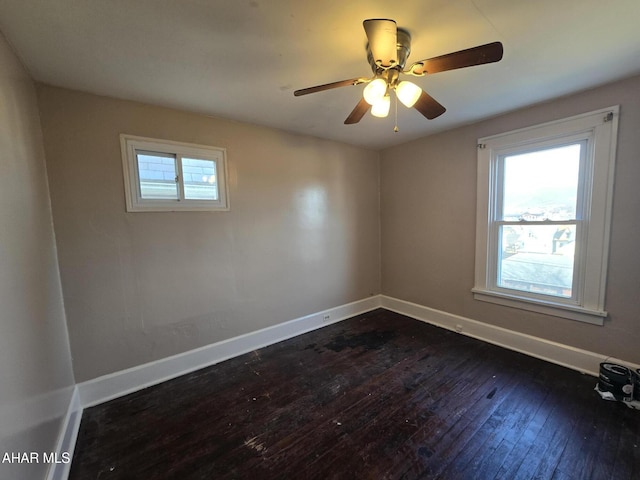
(159, 173)
(537, 221)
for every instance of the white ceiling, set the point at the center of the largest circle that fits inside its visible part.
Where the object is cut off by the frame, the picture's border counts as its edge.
(243, 59)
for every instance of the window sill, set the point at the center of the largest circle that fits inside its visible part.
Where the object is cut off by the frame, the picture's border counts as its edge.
(580, 314)
(183, 206)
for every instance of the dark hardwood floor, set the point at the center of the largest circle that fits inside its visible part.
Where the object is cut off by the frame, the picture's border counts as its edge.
(374, 397)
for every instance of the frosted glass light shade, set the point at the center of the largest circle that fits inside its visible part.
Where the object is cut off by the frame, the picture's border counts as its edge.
(408, 93)
(376, 90)
(381, 107)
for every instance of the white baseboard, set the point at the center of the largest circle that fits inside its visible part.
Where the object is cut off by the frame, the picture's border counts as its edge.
(67, 438)
(117, 384)
(108, 387)
(583, 361)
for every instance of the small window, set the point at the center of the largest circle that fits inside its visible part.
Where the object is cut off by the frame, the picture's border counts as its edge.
(171, 176)
(544, 206)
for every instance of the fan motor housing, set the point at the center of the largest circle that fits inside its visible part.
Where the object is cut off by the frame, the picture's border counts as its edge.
(403, 46)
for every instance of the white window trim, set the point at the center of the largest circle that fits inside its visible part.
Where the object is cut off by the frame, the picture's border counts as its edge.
(600, 128)
(130, 144)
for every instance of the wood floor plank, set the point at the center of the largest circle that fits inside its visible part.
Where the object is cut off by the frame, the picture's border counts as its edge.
(378, 396)
(527, 439)
(468, 460)
(627, 459)
(454, 440)
(475, 387)
(549, 447)
(493, 455)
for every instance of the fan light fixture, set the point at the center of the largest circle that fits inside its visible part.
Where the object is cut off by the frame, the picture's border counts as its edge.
(408, 93)
(381, 108)
(375, 91)
(375, 94)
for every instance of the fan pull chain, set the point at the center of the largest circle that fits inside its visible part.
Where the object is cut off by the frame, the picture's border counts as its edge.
(395, 128)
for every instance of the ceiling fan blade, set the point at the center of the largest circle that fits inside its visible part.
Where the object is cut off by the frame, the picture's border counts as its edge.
(489, 53)
(357, 113)
(329, 86)
(429, 106)
(383, 38)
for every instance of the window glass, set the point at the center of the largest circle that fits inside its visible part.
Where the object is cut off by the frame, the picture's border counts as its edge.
(542, 185)
(539, 188)
(157, 172)
(200, 179)
(537, 258)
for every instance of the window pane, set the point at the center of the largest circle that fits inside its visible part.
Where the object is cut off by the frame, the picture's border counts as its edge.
(542, 185)
(537, 258)
(157, 173)
(200, 179)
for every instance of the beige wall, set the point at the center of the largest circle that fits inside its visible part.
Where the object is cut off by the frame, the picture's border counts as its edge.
(35, 363)
(428, 225)
(302, 234)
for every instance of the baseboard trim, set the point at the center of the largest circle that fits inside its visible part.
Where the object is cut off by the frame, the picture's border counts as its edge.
(114, 385)
(108, 387)
(67, 438)
(583, 361)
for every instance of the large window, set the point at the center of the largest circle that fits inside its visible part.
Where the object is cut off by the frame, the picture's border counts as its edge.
(544, 204)
(171, 176)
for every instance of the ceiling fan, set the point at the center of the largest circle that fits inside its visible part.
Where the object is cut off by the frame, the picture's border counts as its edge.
(387, 51)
